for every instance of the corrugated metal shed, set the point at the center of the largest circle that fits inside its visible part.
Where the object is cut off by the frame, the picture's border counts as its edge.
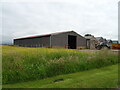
(67, 39)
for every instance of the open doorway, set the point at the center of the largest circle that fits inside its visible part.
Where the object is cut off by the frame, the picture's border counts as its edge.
(71, 42)
(88, 43)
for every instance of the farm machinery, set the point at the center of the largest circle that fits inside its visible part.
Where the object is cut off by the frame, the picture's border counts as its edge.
(114, 45)
(102, 46)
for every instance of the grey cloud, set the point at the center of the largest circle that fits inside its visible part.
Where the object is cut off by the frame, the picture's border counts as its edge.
(91, 16)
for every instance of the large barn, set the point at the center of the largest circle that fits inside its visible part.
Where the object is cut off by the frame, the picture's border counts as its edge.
(68, 39)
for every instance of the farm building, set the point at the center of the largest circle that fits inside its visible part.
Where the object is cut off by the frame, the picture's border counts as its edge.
(101, 39)
(115, 41)
(68, 39)
(91, 41)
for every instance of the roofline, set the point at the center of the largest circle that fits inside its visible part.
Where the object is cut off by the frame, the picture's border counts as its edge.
(44, 35)
(30, 37)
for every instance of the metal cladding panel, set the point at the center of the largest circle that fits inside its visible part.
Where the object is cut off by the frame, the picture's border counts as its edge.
(61, 40)
(33, 42)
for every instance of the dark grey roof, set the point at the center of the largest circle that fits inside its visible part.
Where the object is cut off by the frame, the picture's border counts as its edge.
(99, 38)
(115, 41)
(109, 40)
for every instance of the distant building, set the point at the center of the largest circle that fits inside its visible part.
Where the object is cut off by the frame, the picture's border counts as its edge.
(104, 40)
(109, 41)
(69, 39)
(115, 41)
(99, 39)
(91, 41)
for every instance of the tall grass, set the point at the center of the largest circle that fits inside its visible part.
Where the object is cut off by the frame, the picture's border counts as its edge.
(24, 64)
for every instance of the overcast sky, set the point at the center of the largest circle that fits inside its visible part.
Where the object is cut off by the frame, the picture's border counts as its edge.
(34, 17)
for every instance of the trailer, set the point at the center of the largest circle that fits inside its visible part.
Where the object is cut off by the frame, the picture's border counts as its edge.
(115, 46)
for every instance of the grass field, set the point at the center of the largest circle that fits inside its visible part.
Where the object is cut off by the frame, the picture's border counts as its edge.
(21, 64)
(106, 77)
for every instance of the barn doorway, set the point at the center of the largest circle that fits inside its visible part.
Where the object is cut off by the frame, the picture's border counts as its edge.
(88, 43)
(71, 42)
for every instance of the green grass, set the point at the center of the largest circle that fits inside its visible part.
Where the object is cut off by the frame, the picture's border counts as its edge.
(106, 77)
(21, 64)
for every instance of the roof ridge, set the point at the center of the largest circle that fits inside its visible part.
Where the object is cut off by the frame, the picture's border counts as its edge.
(42, 35)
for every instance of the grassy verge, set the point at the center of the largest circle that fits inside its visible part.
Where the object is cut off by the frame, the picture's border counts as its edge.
(25, 64)
(106, 77)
